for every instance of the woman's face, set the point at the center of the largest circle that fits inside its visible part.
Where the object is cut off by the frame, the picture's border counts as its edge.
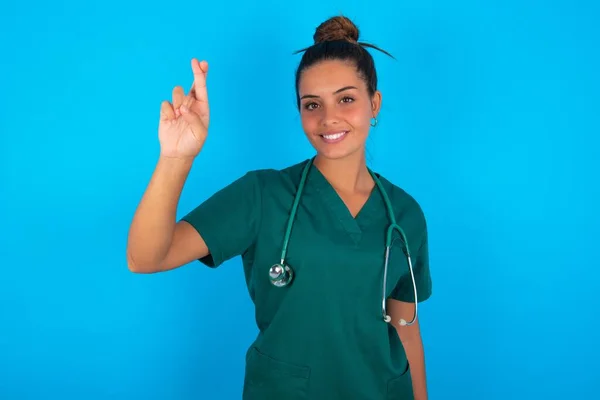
(336, 108)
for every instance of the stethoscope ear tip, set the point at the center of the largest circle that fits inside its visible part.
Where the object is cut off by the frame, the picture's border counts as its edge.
(402, 321)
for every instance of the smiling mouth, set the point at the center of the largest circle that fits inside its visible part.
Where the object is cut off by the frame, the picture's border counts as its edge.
(334, 137)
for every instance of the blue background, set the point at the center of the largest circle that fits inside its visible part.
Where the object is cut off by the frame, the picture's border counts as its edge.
(490, 119)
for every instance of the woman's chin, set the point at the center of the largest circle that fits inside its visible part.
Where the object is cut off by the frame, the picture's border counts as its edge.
(336, 153)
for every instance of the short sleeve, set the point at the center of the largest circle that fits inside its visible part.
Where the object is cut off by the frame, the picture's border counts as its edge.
(404, 290)
(229, 220)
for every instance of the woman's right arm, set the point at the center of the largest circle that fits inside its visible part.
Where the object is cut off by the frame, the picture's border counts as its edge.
(156, 242)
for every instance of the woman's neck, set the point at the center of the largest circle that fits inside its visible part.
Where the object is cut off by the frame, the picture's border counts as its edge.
(348, 174)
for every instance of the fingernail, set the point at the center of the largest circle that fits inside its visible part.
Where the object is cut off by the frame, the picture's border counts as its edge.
(184, 109)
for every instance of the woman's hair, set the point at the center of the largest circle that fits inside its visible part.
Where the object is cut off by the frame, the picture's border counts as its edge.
(337, 39)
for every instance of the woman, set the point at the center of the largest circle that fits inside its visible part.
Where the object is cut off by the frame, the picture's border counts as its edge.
(325, 330)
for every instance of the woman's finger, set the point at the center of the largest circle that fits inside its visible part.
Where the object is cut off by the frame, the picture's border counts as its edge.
(166, 111)
(200, 71)
(178, 97)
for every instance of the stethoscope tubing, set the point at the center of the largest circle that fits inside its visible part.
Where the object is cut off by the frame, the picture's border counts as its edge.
(284, 269)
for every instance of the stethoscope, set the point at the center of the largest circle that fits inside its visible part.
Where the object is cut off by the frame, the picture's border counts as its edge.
(282, 275)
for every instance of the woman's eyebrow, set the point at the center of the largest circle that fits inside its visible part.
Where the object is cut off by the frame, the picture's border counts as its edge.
(313, 96)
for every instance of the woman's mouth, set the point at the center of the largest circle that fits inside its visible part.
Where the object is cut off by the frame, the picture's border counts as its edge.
(334, 137)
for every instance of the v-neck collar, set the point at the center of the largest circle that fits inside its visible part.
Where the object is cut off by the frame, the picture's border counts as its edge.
(352, 225)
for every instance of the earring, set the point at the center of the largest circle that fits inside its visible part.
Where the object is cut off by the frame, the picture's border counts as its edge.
(374, 123)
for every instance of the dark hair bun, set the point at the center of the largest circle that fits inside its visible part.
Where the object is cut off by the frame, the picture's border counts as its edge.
(336, 28)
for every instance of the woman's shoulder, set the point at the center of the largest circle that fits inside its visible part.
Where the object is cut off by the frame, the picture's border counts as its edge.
(277, 177)
(403, 202)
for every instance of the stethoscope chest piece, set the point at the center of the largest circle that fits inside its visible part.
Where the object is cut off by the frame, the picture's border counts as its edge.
(281, 275)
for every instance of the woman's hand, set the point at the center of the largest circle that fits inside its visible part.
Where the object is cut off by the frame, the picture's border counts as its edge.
(183, 125)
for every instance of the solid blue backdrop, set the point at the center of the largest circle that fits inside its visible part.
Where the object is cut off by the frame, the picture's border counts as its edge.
(489, 118)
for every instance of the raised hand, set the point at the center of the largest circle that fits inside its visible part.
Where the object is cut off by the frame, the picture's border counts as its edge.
(183, 123)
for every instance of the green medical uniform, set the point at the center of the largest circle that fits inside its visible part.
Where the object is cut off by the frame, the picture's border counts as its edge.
(323, 336)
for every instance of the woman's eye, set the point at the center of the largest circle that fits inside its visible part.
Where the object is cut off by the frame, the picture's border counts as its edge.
(312, 106)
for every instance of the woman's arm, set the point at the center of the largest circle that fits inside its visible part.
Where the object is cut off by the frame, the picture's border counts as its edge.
(156, 241)
(410, 336)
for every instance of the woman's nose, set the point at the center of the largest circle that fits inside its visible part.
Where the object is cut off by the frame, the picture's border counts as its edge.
(330, 116)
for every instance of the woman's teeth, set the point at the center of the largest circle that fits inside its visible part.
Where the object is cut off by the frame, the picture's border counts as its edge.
(334, 136)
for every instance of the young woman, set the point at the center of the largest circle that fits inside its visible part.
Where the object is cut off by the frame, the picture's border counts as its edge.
(334, 280)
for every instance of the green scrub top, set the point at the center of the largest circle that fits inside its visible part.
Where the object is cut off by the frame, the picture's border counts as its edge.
(323, 336)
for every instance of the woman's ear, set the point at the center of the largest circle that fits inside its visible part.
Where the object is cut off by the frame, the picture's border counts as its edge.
(376, 103)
